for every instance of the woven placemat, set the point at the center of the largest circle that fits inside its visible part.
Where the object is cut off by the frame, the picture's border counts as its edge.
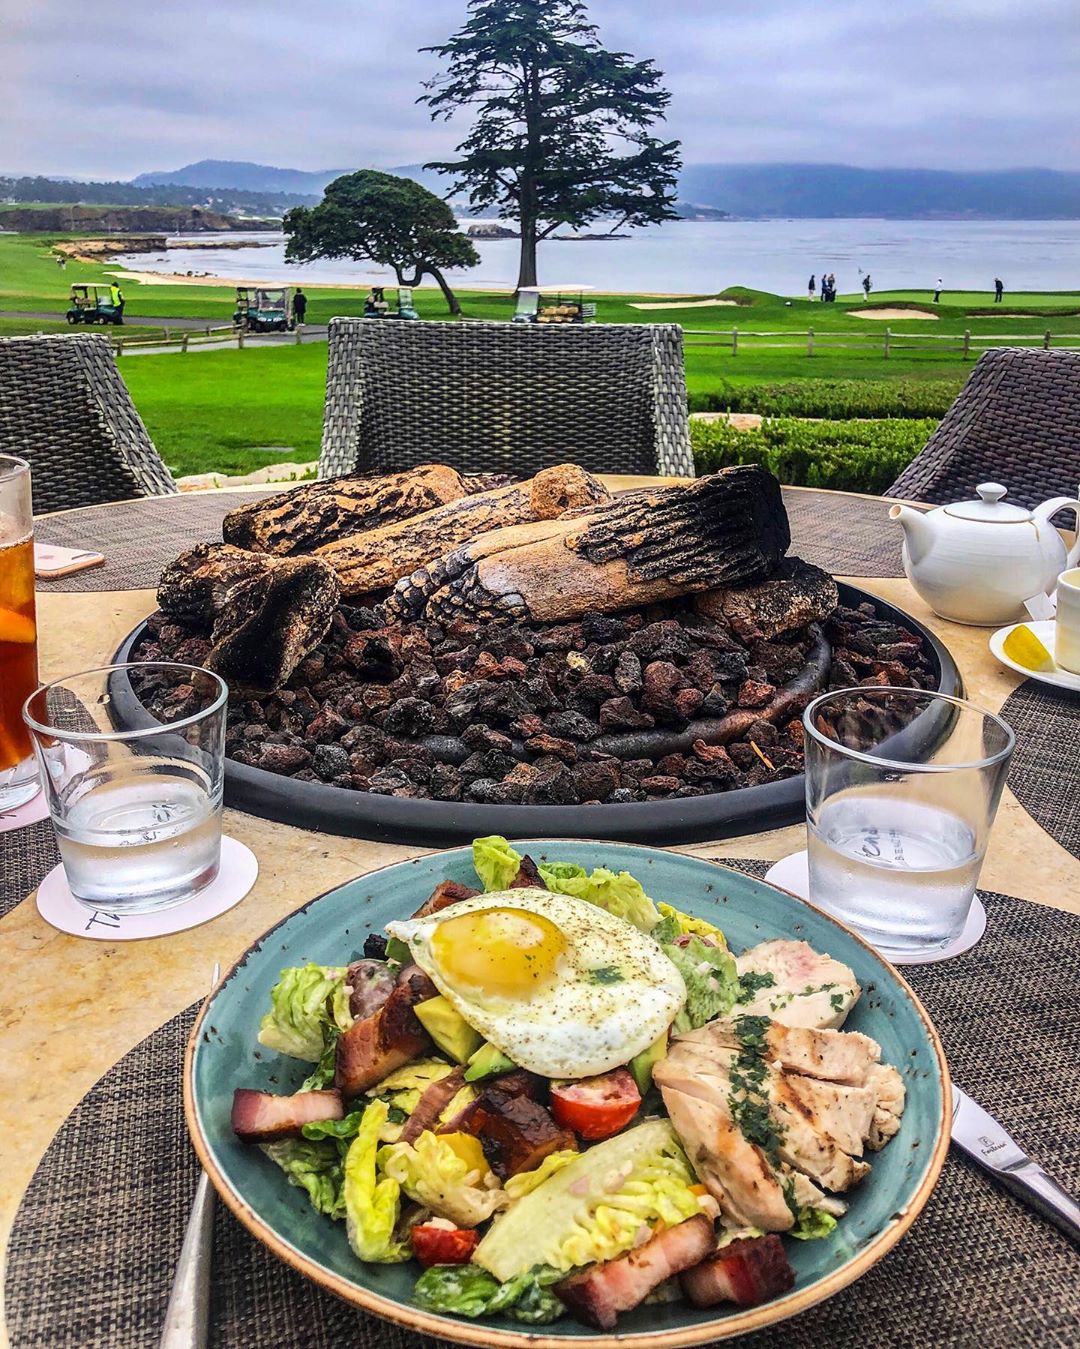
(138, 538)
(27, 855)
(1045, 771)
(844, 535)
(95, 1240)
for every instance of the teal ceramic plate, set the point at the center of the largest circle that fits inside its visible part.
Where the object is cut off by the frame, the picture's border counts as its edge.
(223, 1053)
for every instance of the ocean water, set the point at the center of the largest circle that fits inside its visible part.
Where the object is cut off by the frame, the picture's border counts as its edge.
(697, 257)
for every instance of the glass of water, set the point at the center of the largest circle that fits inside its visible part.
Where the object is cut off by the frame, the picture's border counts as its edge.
(132, 758)
(902, 786)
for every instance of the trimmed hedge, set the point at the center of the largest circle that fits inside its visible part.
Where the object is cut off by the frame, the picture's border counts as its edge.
(835, 398)
(846, 456)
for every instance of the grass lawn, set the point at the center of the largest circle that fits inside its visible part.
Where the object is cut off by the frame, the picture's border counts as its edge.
(212, 411)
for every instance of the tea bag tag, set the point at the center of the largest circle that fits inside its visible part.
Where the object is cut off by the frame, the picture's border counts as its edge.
(1041, 607)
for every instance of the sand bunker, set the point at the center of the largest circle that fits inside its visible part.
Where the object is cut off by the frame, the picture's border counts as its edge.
(892, 314)
(686, 304)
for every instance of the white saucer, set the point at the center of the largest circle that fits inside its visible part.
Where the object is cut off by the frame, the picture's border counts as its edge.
(59, 907)
(37, 808)
(793, 873)
(1045, 631)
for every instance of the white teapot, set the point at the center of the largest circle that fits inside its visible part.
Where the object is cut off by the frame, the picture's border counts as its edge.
(978, 561)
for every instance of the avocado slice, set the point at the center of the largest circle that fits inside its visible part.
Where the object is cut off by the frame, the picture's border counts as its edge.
(642, 1065)
(486, 1062)
(448, 1028)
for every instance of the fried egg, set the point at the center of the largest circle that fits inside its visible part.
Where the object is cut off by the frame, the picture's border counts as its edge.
(561, 986)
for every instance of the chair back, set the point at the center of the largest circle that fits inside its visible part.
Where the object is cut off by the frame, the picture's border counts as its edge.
(65, 408)
(504, 397)
(1015, 421)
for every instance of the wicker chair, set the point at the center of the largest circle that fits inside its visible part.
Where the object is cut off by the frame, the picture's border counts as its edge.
(502, 397)
(64, 407)
(1016, 421)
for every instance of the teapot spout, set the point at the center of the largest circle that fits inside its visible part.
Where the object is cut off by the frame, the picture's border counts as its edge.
(919, 533)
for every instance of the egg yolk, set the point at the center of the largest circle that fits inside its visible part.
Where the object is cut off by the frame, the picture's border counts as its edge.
(507, 953)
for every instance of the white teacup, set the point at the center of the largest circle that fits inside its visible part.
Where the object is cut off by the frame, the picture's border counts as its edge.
(1067, 634)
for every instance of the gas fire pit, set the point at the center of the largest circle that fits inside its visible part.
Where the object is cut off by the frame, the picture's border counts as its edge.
(484, 694)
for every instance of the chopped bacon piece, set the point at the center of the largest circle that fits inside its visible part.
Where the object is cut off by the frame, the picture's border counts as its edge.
(517, 1083)
(370, 983)
(436, 1244)
(515, 1132)
(601, 1292)
(746, 1272)
(433, 1101)
(372, 1048)
(260, 1117)
(445, 894)
(528, 876)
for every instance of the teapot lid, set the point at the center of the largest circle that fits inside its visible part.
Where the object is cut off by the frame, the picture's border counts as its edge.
(989, 507)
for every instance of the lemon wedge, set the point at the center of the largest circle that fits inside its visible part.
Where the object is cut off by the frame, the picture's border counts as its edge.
(1025, 649)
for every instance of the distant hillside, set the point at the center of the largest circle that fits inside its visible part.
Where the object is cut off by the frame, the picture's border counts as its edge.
(823, 191)
(241, 174)
(229, 200)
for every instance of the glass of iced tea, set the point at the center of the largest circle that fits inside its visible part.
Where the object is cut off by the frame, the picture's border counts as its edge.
(132, 757)
(18, 633)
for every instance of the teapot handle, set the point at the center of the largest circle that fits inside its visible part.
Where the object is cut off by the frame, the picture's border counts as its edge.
(1050, 508)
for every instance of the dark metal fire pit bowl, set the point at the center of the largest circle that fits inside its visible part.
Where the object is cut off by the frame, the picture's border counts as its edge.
(391, 819)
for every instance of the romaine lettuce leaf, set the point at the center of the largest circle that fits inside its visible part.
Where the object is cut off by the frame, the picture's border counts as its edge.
(372, 1205)
(686, 924)
(524, 1182)
(495, 862)
(711, 979)
(306, 1001)
(433, 1173)
(618, 892)
(312, 1166)
(811, 1224)
(468, 1290)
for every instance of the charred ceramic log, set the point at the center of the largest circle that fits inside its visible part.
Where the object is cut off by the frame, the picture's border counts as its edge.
(194, 588)
(797, 596)
(724, 530)
(376, 559)
(270, 622)
(315, 513)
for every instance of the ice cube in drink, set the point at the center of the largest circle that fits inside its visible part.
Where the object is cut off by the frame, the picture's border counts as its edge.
(901, 873)
(137, 838)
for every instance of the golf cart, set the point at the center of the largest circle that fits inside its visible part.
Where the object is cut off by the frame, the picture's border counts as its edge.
(376, 306)
(94, 304)
(262, 309)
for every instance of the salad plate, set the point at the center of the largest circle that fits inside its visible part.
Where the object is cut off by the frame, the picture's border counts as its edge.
(224, 1053)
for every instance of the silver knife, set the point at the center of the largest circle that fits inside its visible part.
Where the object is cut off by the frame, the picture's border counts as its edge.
(187, 1318)
(989, 1146)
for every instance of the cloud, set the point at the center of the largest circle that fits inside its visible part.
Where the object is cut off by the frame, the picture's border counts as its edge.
(116, 87)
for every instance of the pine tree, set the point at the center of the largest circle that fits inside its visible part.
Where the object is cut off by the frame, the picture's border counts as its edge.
(561, 134)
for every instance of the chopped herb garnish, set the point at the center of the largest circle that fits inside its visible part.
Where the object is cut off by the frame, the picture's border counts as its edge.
(606, 974)
(837, 1001)
(752, 982)
(749, 1102)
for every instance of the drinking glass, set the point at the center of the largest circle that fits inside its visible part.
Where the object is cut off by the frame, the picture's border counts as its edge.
(132, 757)
(902, 786)
(18, 632)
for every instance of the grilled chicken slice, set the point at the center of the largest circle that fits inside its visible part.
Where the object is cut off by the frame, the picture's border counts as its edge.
(808, 989)
(261, 1117)
(829, 1055)
(745, 1272)
(888, 1087)
(598, 1294)
(735, 1172)
(844, 1113)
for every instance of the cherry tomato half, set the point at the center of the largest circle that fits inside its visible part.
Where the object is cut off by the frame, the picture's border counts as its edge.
(596, 1107)
(434, 1245)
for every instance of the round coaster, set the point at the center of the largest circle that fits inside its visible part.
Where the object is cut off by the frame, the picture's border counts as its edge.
(59, 907)
(37, 808)
(793, 873)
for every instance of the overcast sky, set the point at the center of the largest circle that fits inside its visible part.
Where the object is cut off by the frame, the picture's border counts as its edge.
(110, 88)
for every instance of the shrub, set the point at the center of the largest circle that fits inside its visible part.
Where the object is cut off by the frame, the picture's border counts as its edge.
(833, 398)
(846, 456)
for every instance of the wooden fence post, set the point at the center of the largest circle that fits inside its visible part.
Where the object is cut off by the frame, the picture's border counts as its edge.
(734, 341)
(967, 344)
(183, 342)
(240, 339)
(1046, 340)
(885, 344)
(809, 341)
(298, 333)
